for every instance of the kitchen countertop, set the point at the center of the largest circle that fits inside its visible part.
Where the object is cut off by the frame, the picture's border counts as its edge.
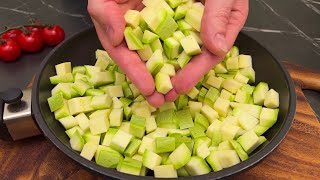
(289, 29)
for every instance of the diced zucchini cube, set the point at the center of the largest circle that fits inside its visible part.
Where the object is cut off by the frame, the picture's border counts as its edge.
(180, 12)
(83, 121)
(190, 45)
(171, 47)
(68, 122)
(197, 166)
(71, 131)
(242, 97)
(149, 37)
(247, 88)
(146, 143)
(108, 136)
(185, 119)
(268, 117)
(137, 126)
(178, 35)
(165, 171)
(116, 117)
(94, 139)
(193, 17)
(132, 147)
(231, 85)
(63, 111)
(159, 3)
(99, 124)
(133, 41)
(249, 73)
(213, 160)
(76, 141)
(107, 157)
(228, 158)
(156, 45)
(183, 59)
(101, 102)
(166, 119)
(272, 99)
(241, 153)
(209, 113)
(259, 93)
(114, 91)
(163, 83)
(180, 156)
(211, 96)
(249, 141)
(196, 35)
(79, 105)
(88, 151)
(56, 102)
(151, 159)
(132, 18)
(66, 78)
(164, 144)
(151, 124)
(120, 141)
(196, 132)
(78, 70)
(145, 53)
(222, 106)
(232, 63)
(245, 61)
(63, 68)
(155, 63)
(194, 107)
(193, 94)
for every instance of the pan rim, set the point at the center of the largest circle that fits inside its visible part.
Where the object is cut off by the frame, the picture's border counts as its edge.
(253, 160)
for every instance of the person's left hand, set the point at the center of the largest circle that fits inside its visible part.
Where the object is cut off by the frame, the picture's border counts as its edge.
(221, 23)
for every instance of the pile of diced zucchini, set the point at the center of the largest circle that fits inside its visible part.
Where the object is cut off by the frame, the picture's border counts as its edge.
(165, 35)
(216, 125)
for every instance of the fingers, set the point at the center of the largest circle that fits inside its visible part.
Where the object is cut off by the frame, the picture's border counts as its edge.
(190, 75)
(171, 95)
(129, 62)
(110, 18)
(214, 25)
(237, 20)
(156, 99)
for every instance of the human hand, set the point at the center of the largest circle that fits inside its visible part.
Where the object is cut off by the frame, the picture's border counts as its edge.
(221, 23)
(108, 19)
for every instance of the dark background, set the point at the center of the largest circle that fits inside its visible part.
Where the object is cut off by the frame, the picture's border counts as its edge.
(289, 29)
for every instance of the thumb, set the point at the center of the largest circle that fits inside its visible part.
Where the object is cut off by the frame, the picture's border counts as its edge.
(110, 17)
(214, 25)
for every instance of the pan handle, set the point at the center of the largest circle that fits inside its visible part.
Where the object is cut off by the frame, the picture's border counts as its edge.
(10, 96)
(304, 77)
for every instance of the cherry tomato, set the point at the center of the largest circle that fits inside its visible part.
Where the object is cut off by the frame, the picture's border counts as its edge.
(11, 34)
(52, 35)
(30, 42)
(9, 50)
(34, 29)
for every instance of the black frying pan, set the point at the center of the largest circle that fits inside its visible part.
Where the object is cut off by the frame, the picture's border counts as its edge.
(80, 50)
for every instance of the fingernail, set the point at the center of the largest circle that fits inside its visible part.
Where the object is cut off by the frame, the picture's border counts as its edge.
(110, 33)
(220, 40)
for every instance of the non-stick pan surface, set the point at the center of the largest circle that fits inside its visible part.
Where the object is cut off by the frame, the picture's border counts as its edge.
(80, 50)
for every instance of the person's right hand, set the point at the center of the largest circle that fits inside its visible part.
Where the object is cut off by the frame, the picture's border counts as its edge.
(108, 19)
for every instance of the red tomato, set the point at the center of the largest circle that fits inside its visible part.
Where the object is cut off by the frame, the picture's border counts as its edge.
(30, 42)
(11, 34)
(34, 29)
(52, 35)
(9, 50)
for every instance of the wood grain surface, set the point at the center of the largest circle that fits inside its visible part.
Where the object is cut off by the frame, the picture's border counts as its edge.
(297, 157)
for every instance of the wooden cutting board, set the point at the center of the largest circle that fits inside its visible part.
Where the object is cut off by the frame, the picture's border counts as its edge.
(297, 157)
